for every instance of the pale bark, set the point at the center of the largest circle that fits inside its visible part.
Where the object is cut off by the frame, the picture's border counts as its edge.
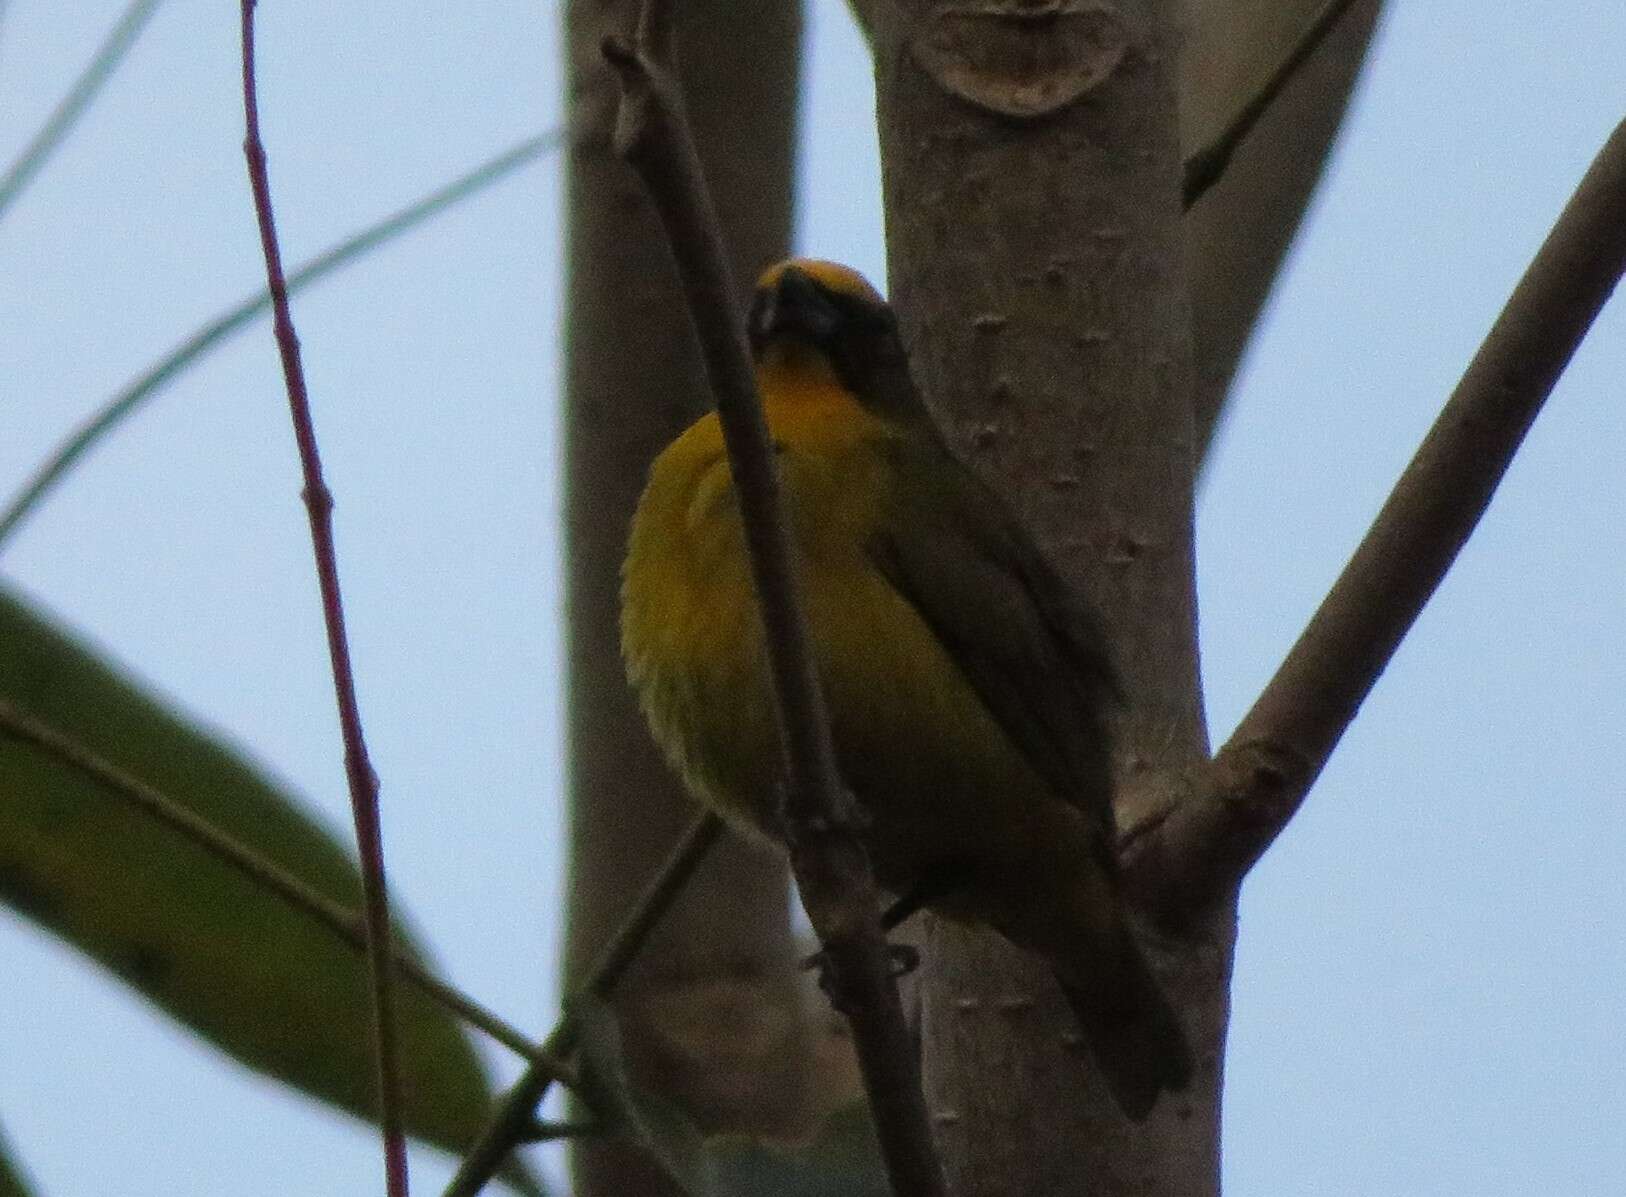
(1239, 234)
(1038, 264)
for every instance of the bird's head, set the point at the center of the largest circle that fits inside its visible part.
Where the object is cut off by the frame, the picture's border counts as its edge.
(821, 318)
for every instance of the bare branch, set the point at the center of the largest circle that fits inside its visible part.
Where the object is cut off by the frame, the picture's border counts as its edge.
(514, 1120)
(269, 876)
(831, 867)
(358, 769)
(1206, 843)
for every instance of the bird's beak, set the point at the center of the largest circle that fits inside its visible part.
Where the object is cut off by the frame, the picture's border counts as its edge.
(794, 307)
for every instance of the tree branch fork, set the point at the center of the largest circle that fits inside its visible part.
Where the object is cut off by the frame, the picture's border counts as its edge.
(1195, 836)
(1188, 839)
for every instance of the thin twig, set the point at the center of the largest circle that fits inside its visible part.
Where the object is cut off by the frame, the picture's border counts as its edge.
(1204, 168)
(1206, 843)
(267, 875)
(363, 782)
(72, 106)
(171, 365)
(511, 1124)
(827, 854)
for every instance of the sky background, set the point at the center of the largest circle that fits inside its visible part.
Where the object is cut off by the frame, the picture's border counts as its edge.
(1428, 994)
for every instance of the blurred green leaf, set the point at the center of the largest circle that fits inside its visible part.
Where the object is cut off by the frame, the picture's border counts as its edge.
(12, 1181)
(262, 981)
(842, 1160)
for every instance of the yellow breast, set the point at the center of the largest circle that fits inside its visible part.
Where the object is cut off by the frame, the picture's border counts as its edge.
(913, 741)
(690, 629)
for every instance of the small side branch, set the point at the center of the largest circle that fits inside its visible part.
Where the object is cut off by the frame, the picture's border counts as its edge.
(358, 769)
(66, 114)
(133, 396)
(831, 867)
(515, 1118)
(1205, 843)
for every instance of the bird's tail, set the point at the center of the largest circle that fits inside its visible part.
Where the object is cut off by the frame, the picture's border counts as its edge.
(1129, 1024)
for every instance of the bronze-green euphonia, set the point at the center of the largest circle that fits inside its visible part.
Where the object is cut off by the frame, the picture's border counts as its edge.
(967, 686)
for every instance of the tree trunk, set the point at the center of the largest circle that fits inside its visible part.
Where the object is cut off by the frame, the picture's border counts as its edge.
(1031, 168)
(711, 1013)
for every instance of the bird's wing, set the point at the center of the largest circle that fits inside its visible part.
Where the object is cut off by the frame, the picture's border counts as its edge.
(1032, 650)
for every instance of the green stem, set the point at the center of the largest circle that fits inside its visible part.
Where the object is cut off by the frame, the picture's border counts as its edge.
(121, 405)
(72, 106)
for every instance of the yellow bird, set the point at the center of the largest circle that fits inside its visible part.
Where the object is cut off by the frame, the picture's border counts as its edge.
(966, 685)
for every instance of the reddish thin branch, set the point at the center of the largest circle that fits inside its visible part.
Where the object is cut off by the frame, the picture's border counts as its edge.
(358, 770)
(1207, 842)
(827, 856)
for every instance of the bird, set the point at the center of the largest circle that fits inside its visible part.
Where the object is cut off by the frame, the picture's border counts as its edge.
(968, 688)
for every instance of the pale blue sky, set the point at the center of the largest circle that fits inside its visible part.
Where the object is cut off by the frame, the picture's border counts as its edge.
(1428, 991)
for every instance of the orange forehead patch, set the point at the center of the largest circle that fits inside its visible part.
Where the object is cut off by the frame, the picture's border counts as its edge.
(843, 280)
